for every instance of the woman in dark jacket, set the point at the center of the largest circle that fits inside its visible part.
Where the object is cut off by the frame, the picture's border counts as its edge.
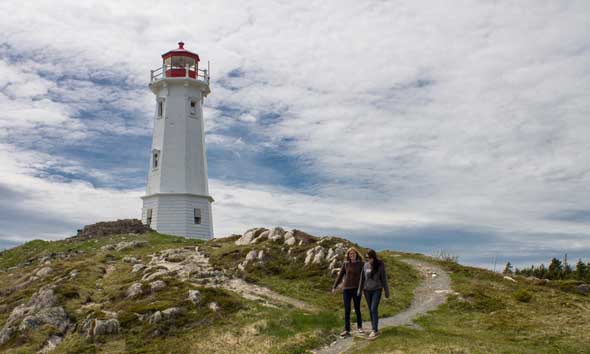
(373, 282)
(351, 273)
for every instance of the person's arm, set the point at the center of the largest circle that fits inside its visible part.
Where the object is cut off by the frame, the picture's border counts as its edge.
(384, 279)
(361, 282)
(340, 276)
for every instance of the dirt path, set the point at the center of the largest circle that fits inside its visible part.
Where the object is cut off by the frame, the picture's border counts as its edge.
(432, 292)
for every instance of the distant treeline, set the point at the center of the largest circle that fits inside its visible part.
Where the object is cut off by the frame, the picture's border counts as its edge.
(557, 270)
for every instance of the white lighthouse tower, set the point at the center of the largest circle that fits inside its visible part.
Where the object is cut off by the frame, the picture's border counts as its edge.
(177, 199)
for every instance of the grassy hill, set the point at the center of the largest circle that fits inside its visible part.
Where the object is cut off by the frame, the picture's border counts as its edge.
(124, 278)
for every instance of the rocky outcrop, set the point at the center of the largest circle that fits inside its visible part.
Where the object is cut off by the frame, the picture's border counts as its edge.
(134, 290)
(250, 236)
(41, 309)
(167, 314)
(157, 285)
(194, 296)
(106, 228)
(92, 327)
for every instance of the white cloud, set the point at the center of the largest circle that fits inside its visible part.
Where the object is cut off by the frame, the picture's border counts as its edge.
(408, 112)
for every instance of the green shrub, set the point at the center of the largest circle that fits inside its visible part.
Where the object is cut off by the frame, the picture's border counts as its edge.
(522, 295)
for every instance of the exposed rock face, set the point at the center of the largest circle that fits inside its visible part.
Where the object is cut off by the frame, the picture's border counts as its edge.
(126, 226)
(137, 267)
(250, 236)
(41, 309)
(276, 234)
(157, 285)
(43, 272)
(169, 313)
(93, 327)
(251, 255)
(188, 263)
(134, 290)
(194, 296)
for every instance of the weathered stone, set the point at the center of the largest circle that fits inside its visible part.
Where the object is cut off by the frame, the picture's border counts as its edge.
(137, 267)
(260, 256)
(319, 256)
(194, 296)
(105, 327)
(276, 234)
(157, 285)
(213, 306)
(156, 317)
(250, 235)
(290, 241)
(132, 260)
(251, 255)
(29, 322)
(331, 254)
(134, 290)
(43, 272)
(583, 288)
(509, 279)
(263, 236)
(50, 344)
(332, 264)
(152, 276)
(172, 312)
(125, 245)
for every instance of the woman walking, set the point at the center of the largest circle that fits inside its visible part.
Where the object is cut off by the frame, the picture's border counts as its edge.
(373, 282)
(351, 273)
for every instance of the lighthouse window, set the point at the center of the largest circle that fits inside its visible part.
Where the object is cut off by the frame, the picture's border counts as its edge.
(160, 109)
(197, 215)
(155, 159)
(193, 107)
(148, 219)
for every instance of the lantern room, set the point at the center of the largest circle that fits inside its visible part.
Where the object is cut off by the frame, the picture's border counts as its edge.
(180, 62)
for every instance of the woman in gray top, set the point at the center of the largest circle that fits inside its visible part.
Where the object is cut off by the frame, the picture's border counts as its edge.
(373, 282)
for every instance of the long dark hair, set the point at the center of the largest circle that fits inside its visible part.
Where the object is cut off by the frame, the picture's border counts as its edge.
(376, 263)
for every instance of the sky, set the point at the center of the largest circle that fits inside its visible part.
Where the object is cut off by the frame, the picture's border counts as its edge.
(407, 125)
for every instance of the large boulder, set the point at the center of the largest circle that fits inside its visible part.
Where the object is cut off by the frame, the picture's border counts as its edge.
(92, 327)
(134, 290)
(249, 236)
(276, 234)
(251, 256)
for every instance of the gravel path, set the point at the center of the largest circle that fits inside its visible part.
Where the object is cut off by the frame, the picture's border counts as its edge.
(432, 292)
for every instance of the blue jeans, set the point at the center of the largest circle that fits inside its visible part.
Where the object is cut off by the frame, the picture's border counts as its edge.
(347, 295)
(373, 298)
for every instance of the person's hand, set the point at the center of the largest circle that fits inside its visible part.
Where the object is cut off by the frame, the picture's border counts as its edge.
(333, 290)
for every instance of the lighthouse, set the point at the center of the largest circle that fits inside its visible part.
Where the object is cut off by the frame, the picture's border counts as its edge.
(177, 200)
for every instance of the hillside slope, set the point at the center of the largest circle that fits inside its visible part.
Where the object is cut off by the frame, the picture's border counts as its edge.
(267, 291)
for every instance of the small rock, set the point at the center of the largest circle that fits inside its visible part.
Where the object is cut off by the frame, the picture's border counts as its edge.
(125, 245)
(106, 327)
(331, 254)
(583, 288)
(319, 256)
(241, 267)
(251, 255)
(137, 267)
(132, 260)
(134, 290)
(213, 306)
(50, 344)
(290, 241)
(157, 285)
(260, 256)
(150, 277)
(194, 296)
(509, 279)
(43, 272)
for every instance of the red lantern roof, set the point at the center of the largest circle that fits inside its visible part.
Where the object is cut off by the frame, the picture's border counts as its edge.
(180, 52)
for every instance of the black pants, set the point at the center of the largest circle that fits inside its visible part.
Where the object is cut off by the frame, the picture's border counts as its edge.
(347, 295)
(373, 298)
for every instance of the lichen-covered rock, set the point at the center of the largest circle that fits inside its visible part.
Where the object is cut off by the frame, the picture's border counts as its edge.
(93, 327)
(276, 234)
(290, 241)
(251, 255)
(250, 235)
(125, 245)
(157, 285)
(43, 272)
(134, 290)
(319, 256)
(137, 267)
(194, 296)
(213, 306)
